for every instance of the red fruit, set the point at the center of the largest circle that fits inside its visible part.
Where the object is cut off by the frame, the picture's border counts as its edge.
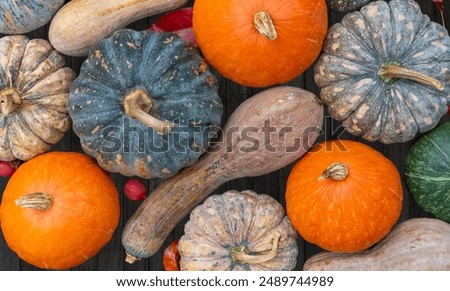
(178, 22)
(171, 257)
(448, 112)
(7, 169)
(135, 190)
(439, 5)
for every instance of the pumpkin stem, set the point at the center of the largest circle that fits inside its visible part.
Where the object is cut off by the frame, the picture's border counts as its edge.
(37, 201)
(9, 101)
(130, 259)
(336, 171)
(390, 72)
(239, 254)
(264, 24)
(137, 104)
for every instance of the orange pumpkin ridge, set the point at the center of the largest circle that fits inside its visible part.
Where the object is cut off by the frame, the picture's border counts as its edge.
(259, 43)
(343, 196)
(58, 210)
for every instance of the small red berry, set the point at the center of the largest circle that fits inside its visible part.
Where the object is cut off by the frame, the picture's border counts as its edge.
(135, 190)
(448, 112)
(7, 169)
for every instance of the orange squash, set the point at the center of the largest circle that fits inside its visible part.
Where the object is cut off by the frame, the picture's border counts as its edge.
(343, 196)
(258, 43)
(58, 210)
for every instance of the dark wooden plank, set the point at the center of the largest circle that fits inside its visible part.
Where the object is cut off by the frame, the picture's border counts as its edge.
(8, 259)
(111, 257)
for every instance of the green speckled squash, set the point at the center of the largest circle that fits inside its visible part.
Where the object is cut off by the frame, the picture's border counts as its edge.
(34, 91)
(22, 16)
(238, 231)
(346, 5)
(384, 71)
(428, 171)
(145, 104)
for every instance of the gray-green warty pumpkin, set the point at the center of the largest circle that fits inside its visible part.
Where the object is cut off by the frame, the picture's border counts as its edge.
(384, 71)
(34, 91)
(238, 231)
(145, 104)
(22, 16)
(346, 5)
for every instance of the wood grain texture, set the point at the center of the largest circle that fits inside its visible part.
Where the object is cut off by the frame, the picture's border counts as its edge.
(112, 256)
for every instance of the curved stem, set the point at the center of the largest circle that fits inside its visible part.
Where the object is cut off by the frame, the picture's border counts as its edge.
(9, 101)
(137, 104)
(264, 24)
(37, 201)
(390, 72)
(336, 171)
(239, 254)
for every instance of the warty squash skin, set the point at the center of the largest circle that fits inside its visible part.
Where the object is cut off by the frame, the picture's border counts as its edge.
(145, 104)
(384, 72)
(22, 16)
(80, 24)
(34, 91)
(419, 244)
(427, 171)
(238, 231)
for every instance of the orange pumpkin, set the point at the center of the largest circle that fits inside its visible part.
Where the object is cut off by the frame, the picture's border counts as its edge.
(58, 210)
(343, 196)
(259, 43)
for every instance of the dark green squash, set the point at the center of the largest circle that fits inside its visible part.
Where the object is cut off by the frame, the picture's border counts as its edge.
(428, 171)
(145, 104)
(384, 71)
(22, 16)
(346, 5)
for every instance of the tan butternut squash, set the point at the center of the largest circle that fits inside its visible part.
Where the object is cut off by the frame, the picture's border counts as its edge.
(82, 23)
(265, 133)
(420, 244)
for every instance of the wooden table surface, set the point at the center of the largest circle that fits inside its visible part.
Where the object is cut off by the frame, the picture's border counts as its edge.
(111, 257)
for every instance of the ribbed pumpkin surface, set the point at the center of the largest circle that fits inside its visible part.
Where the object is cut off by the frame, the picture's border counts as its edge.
(162, 70)
(345, 215)
(22, 16)
(227, 226)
